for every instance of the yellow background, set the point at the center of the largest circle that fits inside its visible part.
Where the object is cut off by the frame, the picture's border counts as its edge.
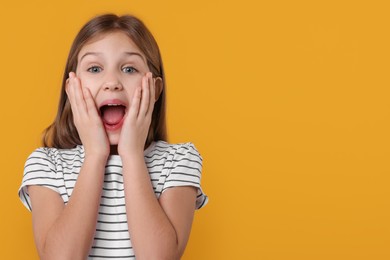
(287, 101)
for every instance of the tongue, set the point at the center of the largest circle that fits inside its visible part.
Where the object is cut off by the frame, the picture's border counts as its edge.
(113, 114)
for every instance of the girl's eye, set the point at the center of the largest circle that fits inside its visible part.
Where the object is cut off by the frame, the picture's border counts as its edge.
(95, 69)
(129, 69)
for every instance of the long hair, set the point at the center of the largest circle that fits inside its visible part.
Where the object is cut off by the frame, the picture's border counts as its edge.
(62, 133)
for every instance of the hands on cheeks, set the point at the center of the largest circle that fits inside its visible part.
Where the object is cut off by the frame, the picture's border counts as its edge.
(90, 126)
(138, 118)
(86, 118)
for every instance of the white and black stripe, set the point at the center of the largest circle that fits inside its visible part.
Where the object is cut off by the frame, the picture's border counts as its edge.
(169, 165)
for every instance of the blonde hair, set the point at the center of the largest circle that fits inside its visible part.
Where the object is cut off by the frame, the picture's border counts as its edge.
(62, 133)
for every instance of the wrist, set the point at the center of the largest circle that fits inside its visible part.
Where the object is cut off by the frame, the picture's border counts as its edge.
(98, 158)
(132, 155)
(130, 151)
(97, 151)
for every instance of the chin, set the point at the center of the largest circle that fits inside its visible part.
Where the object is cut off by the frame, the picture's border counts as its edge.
(114, 139)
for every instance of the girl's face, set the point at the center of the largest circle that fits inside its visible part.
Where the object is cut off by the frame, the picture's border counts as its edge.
(111, 67)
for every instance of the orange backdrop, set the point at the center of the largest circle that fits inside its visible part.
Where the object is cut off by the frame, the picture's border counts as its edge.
(288, 102)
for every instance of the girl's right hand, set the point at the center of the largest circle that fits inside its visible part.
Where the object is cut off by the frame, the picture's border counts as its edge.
(86, 118)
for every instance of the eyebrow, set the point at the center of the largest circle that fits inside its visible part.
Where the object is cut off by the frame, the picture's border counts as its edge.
(137, 54)
(99, 53)
(89, 53)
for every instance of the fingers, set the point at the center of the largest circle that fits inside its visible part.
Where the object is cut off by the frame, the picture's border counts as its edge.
(69, 91)
(73, 91)
(152, 99)
(133, 111)
(80, 98)
(145, 97)
(90, 103)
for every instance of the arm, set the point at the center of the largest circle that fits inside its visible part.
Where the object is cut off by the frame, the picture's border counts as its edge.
(159, 229)
(66, 232)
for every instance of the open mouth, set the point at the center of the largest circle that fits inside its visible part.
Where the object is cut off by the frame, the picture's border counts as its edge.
(112, 115)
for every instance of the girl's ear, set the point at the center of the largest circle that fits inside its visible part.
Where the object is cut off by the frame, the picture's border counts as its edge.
(158, 84)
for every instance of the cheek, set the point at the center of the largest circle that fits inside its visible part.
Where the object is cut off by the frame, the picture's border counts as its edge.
(131, 84)
(89, 83)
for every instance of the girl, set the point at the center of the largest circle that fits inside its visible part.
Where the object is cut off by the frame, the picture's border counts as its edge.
(107, 184)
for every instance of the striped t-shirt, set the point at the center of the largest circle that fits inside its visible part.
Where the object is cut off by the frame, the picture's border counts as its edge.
(169, 165)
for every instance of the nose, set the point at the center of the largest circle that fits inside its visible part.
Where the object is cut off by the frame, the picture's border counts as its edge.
(111, 81)
(112, 86)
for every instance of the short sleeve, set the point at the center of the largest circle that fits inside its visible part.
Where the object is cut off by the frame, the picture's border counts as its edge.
(39, 169)
(186, 170)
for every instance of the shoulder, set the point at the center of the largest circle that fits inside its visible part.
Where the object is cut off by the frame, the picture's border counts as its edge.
(45, 167)
(42, 156)
(178, 149)
(54, 156)
(179, 157)
(183, 167)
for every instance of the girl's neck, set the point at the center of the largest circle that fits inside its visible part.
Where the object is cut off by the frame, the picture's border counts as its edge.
(113, 149)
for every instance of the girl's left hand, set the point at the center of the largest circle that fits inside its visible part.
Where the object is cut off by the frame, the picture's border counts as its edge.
(138, 118)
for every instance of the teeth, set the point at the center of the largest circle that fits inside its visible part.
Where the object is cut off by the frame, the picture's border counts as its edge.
(113, 105)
